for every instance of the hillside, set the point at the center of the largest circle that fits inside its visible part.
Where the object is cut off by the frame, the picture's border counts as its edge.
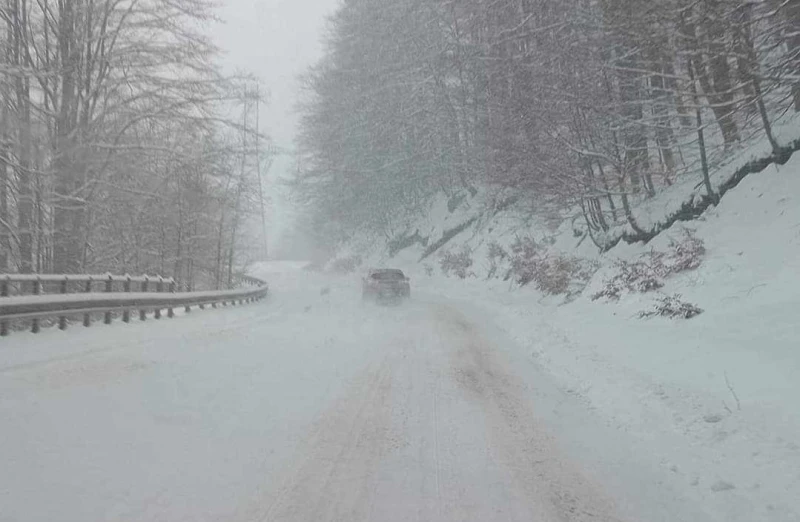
(710, 401)
(472, 221)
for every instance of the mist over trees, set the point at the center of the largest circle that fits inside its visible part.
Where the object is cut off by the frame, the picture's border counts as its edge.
(595, 105)
(122, 146)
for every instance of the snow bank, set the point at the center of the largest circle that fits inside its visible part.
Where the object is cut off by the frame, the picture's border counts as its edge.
(711, 401)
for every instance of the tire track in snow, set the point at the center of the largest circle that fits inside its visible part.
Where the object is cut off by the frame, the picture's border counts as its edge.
(438, 429)
(330, 479)
(554, 486)
(437, 458)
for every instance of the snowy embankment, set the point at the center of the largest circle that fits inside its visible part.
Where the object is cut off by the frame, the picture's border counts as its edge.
(710, 402)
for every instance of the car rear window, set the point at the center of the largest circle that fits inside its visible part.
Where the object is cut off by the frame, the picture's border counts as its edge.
(388, 275)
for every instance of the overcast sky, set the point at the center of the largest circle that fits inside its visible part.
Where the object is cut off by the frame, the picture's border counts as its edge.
(276, 40)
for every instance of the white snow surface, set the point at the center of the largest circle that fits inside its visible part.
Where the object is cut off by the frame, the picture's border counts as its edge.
(468, 403)
(308, 406)
(708, 406)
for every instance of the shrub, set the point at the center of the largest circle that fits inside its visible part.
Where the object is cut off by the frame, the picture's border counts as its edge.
(428, 269)
(646, 274)
(639, 277)
(562, 274)
(525, 261)
(686, 254)
(672, 306)
(496, 252)
(457, 263)
(525, 247)
(496, 255)
(553, 274)
(524, 268)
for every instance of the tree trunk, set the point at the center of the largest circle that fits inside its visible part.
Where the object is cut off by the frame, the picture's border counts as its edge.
(791, 13)
(701, 142)
(716, 84)
(635, 158)
(69, 208)
(745, 54)
(607, 188)
(676, 89)
(5, 232)
(664, 134)
(626, 206)
(218, 268)
(24, 134)
(748, 69)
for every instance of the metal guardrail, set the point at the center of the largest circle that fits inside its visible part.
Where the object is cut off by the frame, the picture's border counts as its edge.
(87, 301)
(76, 278)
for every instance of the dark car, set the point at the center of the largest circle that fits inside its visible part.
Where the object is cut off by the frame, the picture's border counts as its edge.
(385, 284)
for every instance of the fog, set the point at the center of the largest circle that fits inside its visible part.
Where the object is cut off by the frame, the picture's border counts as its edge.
(276, 41)
(507, 260)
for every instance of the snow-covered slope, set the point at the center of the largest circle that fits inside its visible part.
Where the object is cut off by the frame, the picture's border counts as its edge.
(473, 221)
(711, 401)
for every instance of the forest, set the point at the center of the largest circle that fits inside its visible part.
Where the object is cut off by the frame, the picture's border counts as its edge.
(123, 147)
(588, 108)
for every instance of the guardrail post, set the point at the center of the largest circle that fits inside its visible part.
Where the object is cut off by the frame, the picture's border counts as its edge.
(62, 319)
(87, 318)
(143, 312)
(126, 286)
(4, 293)
(109, 289)
(170, 311)
(159, 289)
(37, 290)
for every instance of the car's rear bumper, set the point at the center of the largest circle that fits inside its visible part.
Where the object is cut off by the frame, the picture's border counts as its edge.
(388, 293)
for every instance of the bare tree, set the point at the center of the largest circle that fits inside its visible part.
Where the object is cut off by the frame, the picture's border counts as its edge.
(111, 118)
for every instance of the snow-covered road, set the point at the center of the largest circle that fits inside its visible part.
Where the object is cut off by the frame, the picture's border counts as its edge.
(305, 407)
(308, 406)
